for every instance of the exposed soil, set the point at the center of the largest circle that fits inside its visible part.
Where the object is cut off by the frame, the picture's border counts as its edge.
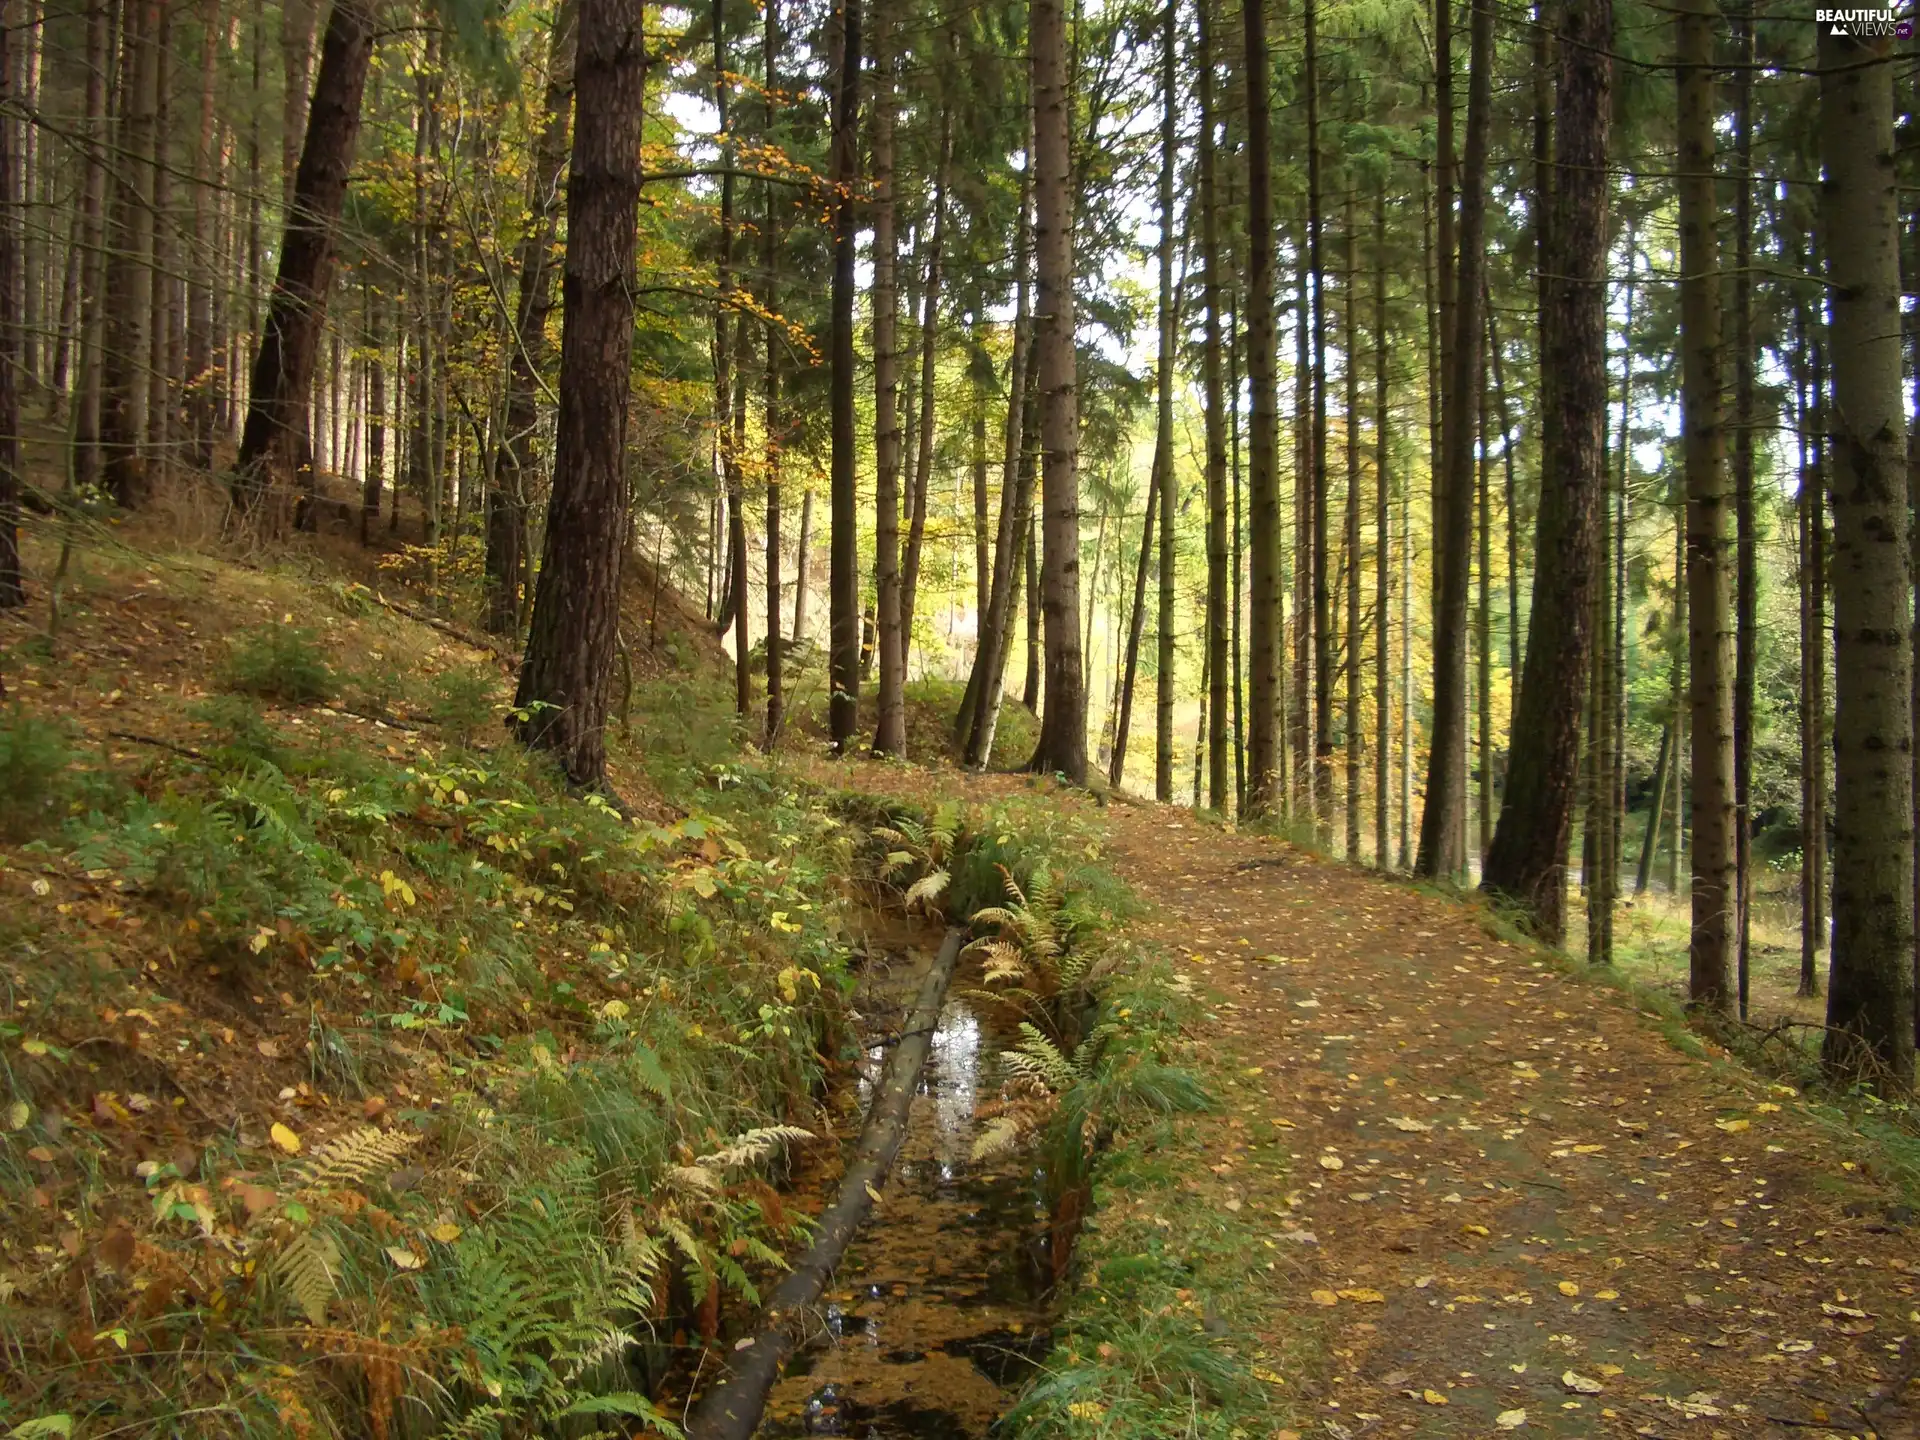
(1510, 1191)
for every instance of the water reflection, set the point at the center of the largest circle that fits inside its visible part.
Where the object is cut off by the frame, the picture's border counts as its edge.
(949, 1268)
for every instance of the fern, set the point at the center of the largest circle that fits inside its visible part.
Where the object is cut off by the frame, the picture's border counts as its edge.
(353, 1158)
(752, 1146)
(306, 1268)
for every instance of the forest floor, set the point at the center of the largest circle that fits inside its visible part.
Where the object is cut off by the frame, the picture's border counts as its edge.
(1518, 1198)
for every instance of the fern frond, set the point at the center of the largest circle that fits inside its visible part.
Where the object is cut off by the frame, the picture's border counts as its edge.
(751, 1146)
(306, 1267)
(694, 1177)
(999, 1137)
(353, 1158)
(926, 889)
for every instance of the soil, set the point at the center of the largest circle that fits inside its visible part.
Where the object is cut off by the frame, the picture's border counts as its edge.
(1510, 1191)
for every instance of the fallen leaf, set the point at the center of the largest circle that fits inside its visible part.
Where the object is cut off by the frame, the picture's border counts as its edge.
(1569, 1289)
(1732, 1127)
(1581, 1384)
(285, 1138)
(1325, 1297)
(872, 1194)
(1476, 1230)
(1364, 1296)
(446, 1232)
(1433, 1397)
(18, 1113)
(405, 1257)
(1409, 1124)
(1510, 1419)
(1332, 1162)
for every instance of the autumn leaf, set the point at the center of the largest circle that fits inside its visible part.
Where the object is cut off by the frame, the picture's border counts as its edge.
(1510, 1419)
(1580, 1384)
(285, 1138)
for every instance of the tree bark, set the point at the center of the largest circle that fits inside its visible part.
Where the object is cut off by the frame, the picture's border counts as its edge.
(13, 592)
(1746, 578)
(283, 368)
(129, 299)
(929, 355)
(1709, 639)
(1869, 1035)
(1383, 550)
(773, 420)
(1355, 672)
(1442, 822)
(1220, 672)
(843, 561)
(1263, 436)
(1320, 581)
(1164, 490)
(890, 734)
(1136, 624)
(202, 377)
(1063, 730)
(574, 633)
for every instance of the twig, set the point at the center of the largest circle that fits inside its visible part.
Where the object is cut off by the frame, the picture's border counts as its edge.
(183, 750)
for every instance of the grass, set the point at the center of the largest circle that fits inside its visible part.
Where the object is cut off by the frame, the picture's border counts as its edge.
(353, 1073)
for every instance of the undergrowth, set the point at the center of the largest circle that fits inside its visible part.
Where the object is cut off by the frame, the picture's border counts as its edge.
(378, 1086)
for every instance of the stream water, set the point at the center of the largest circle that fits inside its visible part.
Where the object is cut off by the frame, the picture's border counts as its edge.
(936, 1315)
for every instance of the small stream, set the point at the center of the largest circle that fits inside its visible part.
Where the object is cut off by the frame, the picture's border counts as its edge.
(937, 1314)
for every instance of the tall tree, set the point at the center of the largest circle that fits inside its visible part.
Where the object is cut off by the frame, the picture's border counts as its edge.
(1263, 430)
(1063, 729)
(1163, 414)
(774, 419)
(1383, 549)
(1214, 418)
(929, 362)
(1709, 576)
(1746, 574)
(890, 734)
(1869, 1032)
(1442, 823)
(124, 421)
(283, 366)
(843, 557)
(1350, 365)
(12, 589)
(574, 633)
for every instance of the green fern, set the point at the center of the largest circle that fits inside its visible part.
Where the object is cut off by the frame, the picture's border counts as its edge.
(307, 1268)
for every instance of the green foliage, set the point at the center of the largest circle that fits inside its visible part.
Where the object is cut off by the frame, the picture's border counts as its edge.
(282, 662)
(464, 702)
(35, 763)
(239, 734)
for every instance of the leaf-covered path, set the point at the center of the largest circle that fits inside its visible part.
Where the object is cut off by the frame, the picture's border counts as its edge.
(1509, 1191)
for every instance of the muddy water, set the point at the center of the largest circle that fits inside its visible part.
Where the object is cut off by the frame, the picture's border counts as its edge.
(935, 1316)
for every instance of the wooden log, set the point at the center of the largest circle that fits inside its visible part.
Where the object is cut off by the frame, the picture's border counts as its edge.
(731, 1410)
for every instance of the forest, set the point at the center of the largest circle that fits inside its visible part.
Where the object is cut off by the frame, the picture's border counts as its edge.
(1472, 443)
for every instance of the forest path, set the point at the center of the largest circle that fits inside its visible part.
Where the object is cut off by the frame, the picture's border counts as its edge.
(1510, 1191)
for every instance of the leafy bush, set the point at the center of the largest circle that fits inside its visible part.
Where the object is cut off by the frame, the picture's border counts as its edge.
(280, 662)
(34, 761)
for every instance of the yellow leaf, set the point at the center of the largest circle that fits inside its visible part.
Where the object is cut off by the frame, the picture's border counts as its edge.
(873, 1194)
(404, 1257)
(285, 1138)
(1766, 1107)
(1268, 1377)
(262, 938)
(1325, 1297)
(446, 1232)
(1086, 1409)
(1332, 1162)
(1363, 1296)
(1433, 1397)
(18, 1113)
(1606, 1294)
(1510, 1419)
(614, 1010)
(1476, 1230)
(1569, 1289)
(1732, 1127)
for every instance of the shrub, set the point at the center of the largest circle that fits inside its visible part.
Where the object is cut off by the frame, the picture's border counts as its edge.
(240, 734)
(463, 701)
(34, 760)
(280, 662)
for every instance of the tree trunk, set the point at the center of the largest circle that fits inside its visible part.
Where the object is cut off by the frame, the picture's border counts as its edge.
(1164, 490)
(1383, 550)
(13, 592)
(1263, 439)
(283, 368)
(1236, 566)
(1355, 673)
(1215, 420)
(1746, 579)
(980, 705)
(1869, 1033)
(1811, 655)
(1319, 583)
(774, 420)
(129, 301)
(202, 384)
(1709, 640)
(1483, 619)
(1136, 623)
(515, 462)
(890, 735)
(376, 429)
(800, 568)
(1063, 729)
(1442, 822)
(843, 578)
(1030, 686)
(929, 355)
(574, 633)
(158, 363)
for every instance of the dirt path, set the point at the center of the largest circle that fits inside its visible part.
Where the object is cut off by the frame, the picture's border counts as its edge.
(1519, 1195)
(1509, 1190)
